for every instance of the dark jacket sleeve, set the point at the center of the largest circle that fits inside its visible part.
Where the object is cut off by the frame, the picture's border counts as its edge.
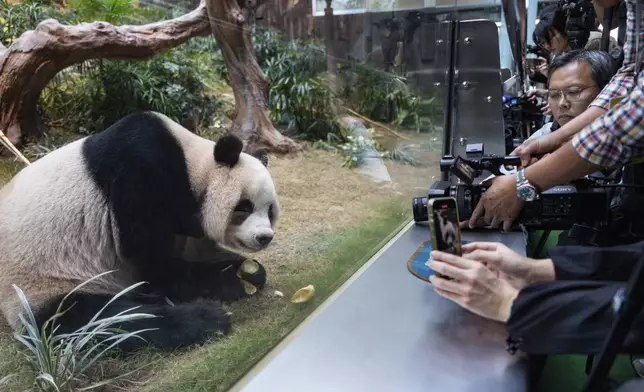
(589, 263)
(568, 317)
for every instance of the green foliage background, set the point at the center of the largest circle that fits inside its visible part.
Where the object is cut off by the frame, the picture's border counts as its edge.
(186, 83)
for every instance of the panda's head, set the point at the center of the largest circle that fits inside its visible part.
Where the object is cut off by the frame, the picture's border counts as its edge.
(240, 207)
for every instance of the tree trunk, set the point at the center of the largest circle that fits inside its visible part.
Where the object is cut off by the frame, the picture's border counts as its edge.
(231, 22)
(38, 55)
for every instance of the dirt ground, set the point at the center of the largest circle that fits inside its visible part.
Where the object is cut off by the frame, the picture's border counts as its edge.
(319, 198)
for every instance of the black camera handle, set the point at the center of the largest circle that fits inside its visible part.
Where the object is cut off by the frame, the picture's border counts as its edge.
(608, 18)
(627, 303)
(491, 163)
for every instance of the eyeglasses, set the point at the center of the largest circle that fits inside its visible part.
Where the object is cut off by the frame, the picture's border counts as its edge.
(571, 94)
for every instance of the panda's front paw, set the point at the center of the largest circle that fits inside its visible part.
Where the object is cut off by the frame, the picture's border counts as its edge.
(245, 281)
(252, 272)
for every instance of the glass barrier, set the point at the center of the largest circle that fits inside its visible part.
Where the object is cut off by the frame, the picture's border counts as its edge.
(347, 96)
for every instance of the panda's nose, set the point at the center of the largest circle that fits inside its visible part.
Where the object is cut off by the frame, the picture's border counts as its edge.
(264, 239)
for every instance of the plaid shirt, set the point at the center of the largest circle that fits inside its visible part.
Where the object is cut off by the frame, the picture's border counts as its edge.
(616, 137)
(622, 83)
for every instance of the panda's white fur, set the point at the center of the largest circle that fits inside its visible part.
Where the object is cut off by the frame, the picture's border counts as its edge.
(58, 228)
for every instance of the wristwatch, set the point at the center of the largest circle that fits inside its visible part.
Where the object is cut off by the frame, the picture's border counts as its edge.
(525, 190)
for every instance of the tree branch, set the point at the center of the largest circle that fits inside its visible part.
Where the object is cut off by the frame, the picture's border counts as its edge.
(230, 21)
(38, 55)
(104, 40)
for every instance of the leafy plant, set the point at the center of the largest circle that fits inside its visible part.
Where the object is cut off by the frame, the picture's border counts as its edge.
(358, 148)
(112, 11)
(20, 17)
(172, 83)
(402, 155)
(267, 43)
(43, 147)
(60, 361)
(304, 104)
(381, 96)
(299, 96)
(16, 18)
(88, 97)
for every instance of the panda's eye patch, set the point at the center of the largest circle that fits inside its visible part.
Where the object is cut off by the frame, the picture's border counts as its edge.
(245, 206)
(242, 211)
(271, 213)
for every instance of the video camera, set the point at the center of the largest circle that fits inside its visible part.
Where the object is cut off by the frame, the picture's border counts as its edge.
(584, 203)
(536, 50)
(580, 20)
(520, 116)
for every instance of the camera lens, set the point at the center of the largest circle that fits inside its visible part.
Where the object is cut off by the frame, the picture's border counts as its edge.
(419, 208)
(467, 198)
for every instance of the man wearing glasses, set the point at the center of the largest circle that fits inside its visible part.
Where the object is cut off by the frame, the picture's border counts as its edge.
(608, 134)
(575, 79)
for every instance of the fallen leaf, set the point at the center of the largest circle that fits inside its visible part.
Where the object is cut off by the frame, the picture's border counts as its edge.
(303, 295)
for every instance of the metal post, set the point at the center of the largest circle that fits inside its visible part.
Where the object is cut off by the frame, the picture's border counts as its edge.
(504, 44)
(532, 7)
(449, 100)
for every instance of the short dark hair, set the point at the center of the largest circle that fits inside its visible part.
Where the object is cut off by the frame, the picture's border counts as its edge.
(550, 20)
(602, 64)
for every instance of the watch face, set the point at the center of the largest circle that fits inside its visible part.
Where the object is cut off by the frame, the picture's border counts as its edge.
(527, 193)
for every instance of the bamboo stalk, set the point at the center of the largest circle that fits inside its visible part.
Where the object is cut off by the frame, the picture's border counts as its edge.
(7, 143)
(383, 126)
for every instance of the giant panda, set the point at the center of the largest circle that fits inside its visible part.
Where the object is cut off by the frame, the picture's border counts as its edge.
(150, 201)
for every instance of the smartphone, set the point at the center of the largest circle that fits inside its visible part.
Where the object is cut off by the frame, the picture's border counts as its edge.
(443, 225)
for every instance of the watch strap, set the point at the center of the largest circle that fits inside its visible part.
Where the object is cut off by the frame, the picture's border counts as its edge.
(523, 182)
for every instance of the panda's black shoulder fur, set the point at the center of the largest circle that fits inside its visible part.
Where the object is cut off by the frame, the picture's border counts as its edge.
(141, 169)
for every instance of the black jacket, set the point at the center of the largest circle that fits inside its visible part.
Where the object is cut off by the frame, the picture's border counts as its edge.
(573, 315)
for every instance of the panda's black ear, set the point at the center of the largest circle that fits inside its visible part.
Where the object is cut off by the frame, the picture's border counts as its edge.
(262, 155)
(227, 150)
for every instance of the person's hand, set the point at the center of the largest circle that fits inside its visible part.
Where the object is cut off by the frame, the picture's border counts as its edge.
(545, 109)
(528, 150)
(533, 94)
(475, 286)
(498, 205)
(542, 68)
(519, 271)
(537, 65)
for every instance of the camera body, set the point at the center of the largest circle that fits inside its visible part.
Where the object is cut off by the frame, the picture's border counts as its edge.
(558, 208)
(580, 20)
(584, 203)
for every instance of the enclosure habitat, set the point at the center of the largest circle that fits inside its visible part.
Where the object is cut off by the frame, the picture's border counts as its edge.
(349, 151)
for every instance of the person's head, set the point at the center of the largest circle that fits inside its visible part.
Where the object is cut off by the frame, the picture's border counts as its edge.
(575, 78)
(550, 32)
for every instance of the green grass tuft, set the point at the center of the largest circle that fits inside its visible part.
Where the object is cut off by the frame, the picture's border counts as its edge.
(61, 361)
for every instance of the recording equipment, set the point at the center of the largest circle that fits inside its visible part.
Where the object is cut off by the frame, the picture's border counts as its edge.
(520, 117)
(537, 51)
(583, 204)
(580, 20)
